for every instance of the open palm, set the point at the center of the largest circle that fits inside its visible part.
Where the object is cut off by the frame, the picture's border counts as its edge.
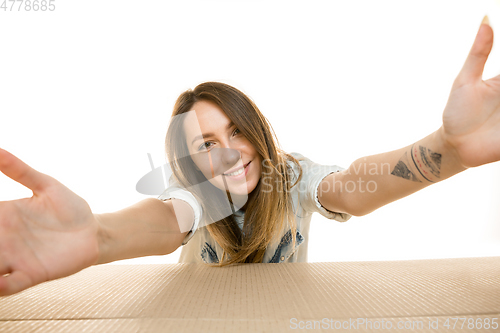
(50, 235)
(471, 119)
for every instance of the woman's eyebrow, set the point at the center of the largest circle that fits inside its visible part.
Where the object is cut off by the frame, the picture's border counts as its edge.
(206, 135)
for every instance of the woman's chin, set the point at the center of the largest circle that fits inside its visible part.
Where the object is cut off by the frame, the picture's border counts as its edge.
(237, 187)
(241, 191)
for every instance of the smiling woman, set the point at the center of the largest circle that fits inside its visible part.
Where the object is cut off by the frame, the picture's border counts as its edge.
(228, 139)
(220, 146)
(219, 131)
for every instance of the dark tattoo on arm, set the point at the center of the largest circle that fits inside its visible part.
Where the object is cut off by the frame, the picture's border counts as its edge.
(401, 170)
(431, 160)
(426, 161)
(417, 163)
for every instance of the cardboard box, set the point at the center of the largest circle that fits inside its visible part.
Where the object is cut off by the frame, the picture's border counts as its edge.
(416, 295)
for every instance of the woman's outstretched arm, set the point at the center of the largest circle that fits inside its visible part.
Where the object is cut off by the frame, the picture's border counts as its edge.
(54, 233)
(374, 181)
(468, 137)
(147, 228)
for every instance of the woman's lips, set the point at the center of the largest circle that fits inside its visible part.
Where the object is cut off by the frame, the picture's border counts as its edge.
(242, 175)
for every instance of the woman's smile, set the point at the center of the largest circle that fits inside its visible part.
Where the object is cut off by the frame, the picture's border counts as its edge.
(239, 173)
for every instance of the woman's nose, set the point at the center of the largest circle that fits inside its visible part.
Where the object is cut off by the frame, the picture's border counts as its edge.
(229, 157)
(218, 161)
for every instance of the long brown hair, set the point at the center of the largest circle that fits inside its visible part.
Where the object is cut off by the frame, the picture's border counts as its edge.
(268, 211)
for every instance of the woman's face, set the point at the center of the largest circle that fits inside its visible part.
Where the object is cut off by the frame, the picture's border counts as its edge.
(220, 151)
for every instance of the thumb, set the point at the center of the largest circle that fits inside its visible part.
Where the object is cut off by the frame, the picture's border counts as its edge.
(22, 173)
(474, 64)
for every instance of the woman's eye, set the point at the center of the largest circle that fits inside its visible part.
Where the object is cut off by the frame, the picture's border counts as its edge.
(205, 145)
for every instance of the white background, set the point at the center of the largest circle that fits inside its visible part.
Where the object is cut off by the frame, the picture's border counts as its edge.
(86, 91)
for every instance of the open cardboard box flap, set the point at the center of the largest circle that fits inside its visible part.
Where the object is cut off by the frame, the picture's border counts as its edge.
(341, 296)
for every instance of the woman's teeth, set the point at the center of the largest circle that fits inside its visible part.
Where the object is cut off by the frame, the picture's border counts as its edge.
(236, 173)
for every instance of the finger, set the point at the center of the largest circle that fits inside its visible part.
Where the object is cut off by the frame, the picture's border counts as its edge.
(474, 64)
(22, 173)
(14, 283)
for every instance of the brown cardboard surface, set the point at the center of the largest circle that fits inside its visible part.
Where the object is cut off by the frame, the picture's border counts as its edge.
(264, 298)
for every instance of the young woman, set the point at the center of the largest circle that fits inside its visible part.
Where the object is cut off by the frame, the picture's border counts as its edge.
(227, 166)
(234, 195)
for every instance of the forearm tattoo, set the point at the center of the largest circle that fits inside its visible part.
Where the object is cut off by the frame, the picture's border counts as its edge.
(401, 169)
(426, 162)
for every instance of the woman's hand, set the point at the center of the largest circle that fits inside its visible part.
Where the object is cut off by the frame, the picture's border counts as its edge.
(471, 119)
(51, 235)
